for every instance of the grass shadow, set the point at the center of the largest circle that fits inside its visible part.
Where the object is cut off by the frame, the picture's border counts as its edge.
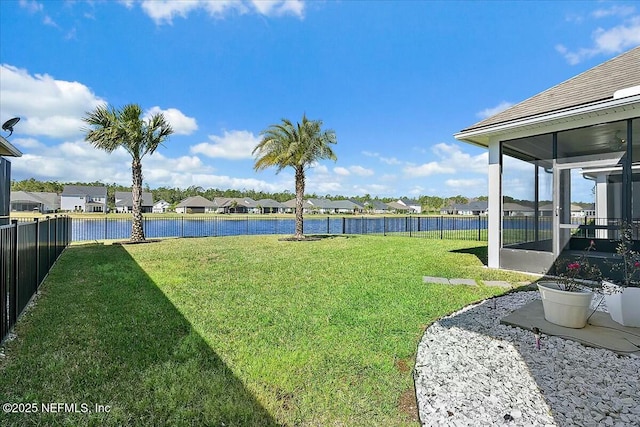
(481, 252)
(103, 333)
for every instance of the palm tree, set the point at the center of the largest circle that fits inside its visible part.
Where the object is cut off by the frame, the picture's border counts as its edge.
(298, 146)
(110, 128)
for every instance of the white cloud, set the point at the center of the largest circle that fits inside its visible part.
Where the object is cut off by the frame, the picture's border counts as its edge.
(31, 6)
(320, 169)
(360, 171)
(234, 145)
(606, 41)
(341, 171)
(28, 143)
(79, 161)
(615, 10)
(47, 106)
(387, 160)
(164, 11)
(451, 159)
(488, 112)
(181, 124)
(427, 169)
(279, 7)
(465, 183)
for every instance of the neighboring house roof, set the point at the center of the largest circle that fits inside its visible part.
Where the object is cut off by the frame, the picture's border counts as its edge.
(161, 203)
(408, 202)
(84, 190)
(6, 149)
(378, 205)
(292, 204)
(124, 198)
(512, 207)
(472, 206)
(321, 203)
(196, 202)
(594, 85)
(549, 207)
(269, 203)
(51, 200)
(398, 206)
(225, 202)
(345, 204)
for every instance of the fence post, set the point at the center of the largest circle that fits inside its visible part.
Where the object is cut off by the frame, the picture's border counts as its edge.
(479, 228)
(441, 227)
(182, 226)
(384, 225)
(344, 225)
(16, 273)
(410, 224)
(328, 227)
(105, 227)
(37, 254)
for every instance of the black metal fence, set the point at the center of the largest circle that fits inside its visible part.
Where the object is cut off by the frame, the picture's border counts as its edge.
(27, 252)
(435, 227)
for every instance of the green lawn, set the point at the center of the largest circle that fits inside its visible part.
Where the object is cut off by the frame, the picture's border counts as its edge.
(236, 331)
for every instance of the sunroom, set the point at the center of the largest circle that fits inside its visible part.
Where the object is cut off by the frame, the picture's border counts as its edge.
(576, 145)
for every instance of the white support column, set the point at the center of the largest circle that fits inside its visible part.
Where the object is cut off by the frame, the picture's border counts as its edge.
(602, 204)
(495, 204)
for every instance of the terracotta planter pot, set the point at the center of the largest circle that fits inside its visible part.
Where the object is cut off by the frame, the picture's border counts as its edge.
(563, 308)
(623, 303)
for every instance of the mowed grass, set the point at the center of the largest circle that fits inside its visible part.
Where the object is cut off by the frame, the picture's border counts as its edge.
(236, 331)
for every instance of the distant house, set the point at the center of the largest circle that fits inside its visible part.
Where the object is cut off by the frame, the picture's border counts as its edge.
(6, 149)
(415, 206)
(321, 206)
(196, 204)
(124, 202)
(83, 198)
(377, 207)
(472, 208)
(396, 207)
(269, 206)
(347, 207)
(514, 209)
(160, 207)
(290, 206)
(241, 205)
(547, 210)
(31, 201)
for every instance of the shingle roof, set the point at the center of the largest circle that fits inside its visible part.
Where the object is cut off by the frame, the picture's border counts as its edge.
(596, 84)
(124, 198)
(48, 199)
(292, 204)
(84, 190)
(399, 207)
(196, 202)
(269, 203)
(247, 202)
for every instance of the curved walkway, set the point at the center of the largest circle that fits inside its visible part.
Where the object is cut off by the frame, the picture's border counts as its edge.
(471, 371)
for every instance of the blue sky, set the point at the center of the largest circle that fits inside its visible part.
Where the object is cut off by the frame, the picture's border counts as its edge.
(395, 80)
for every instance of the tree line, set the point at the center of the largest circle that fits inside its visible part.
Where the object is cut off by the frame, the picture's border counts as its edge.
(175, 195)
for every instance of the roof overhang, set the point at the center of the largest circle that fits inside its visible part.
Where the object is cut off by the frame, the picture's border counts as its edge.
(481, 136)
(6, 149)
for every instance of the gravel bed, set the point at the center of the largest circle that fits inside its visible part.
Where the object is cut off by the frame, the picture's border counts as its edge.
(473, 371)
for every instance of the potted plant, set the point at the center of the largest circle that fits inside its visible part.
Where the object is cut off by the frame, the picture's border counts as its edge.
(623, 295)
(566, 299)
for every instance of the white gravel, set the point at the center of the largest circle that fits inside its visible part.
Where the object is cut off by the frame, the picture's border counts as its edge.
(473, 371)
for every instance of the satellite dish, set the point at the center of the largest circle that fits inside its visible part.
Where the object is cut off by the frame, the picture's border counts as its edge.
(9, 124)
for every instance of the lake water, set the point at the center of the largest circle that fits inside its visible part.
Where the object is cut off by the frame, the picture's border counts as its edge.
(188, 226)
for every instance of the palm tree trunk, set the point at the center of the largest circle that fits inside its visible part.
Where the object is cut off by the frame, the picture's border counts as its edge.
(137, 230)
(299, 199)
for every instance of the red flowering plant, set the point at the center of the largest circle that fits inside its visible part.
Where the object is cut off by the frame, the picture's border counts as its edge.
(578, 274)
